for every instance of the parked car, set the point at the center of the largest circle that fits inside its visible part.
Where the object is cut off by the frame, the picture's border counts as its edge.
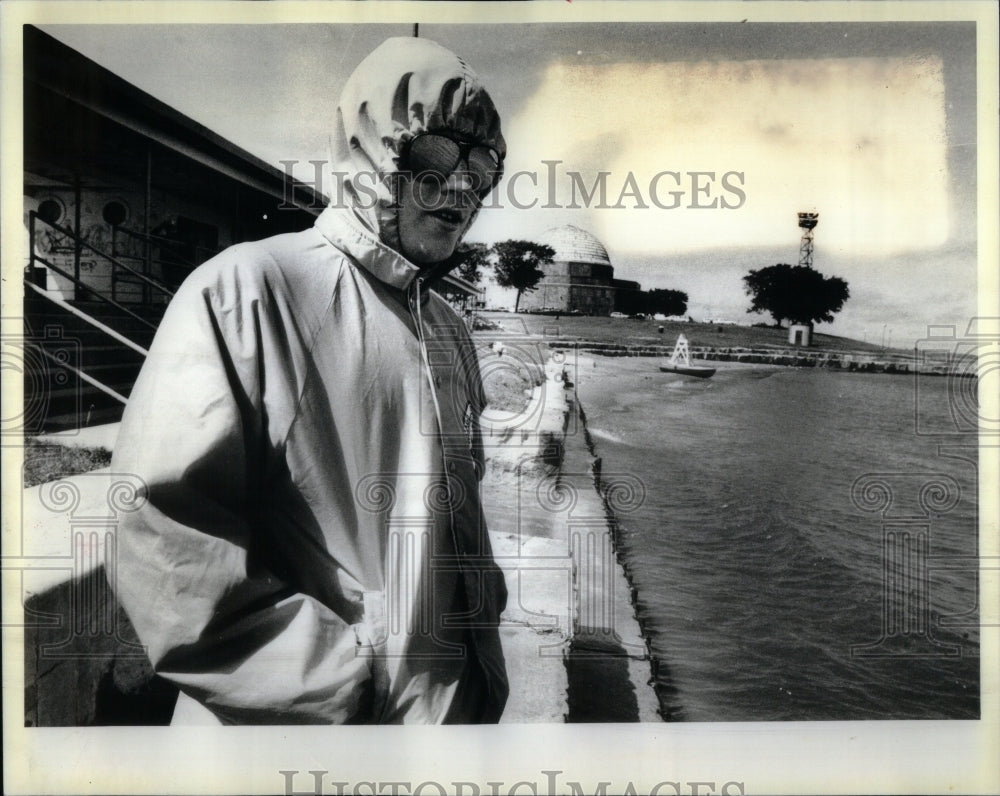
(618, 315)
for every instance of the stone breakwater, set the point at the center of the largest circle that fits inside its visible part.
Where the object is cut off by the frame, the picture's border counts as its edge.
(858, 361)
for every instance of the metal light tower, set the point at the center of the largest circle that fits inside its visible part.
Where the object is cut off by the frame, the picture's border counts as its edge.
(807, 222)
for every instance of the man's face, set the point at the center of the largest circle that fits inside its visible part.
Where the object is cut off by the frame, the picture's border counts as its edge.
(433, 215)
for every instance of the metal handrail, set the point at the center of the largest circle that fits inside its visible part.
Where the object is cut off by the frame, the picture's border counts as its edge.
(33, 216)
(89, 379)
(168, 242)
(87, 319)
(144, 235)
(80, 283)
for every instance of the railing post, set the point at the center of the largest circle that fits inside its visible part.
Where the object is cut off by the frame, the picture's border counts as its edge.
(146, 210)
(114, 273)
(77, 252)
(147, 282)
(31, 243)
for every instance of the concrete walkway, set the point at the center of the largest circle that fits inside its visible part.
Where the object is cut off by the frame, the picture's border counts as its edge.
(66, 526)
(91, 437)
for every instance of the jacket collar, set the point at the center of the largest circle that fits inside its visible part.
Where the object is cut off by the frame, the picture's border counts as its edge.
(350, 235)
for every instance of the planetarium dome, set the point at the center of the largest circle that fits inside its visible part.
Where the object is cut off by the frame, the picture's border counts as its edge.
(575, 245)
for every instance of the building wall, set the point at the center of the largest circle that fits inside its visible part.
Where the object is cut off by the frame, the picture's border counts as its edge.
(91, 138)
(573, 287)
(592, 299)
(95, 271)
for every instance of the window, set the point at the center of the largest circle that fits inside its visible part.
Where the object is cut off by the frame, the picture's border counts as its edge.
(115, 213)
(51, 210)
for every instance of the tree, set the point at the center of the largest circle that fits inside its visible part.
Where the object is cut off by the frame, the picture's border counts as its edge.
(650, 302)
(466, 262)
(472, 259)
(666, 302)
(519, 264)
(797, 293)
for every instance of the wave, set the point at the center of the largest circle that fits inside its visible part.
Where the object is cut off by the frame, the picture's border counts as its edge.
(606, 435)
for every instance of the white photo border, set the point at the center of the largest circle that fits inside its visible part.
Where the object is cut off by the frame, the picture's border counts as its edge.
(789, 757)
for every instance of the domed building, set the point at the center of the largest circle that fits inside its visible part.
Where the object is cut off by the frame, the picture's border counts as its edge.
(580, 277)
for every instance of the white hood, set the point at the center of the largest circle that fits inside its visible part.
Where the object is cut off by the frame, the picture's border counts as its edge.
(404, 87)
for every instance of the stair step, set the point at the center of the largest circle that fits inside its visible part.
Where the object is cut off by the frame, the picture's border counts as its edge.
(76, 403)
(111, 355)
(125, 326)
(98, 417)
(76, 330)
(83, 388)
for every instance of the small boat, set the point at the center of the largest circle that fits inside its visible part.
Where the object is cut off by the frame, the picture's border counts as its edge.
(680, 362)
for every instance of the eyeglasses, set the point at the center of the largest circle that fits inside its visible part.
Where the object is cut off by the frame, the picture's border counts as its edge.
(440, 153)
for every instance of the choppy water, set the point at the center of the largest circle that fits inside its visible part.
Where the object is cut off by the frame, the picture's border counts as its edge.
(759, 577)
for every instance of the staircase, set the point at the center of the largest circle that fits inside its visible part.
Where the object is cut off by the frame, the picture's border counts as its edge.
(57, 397)
(81, 358)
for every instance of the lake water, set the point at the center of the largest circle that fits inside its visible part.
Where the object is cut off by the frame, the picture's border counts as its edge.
(763, 581)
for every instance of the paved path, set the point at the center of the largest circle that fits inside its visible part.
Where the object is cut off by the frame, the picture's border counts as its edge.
(92, 437)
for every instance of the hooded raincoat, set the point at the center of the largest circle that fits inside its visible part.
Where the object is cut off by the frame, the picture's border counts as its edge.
(309, 546)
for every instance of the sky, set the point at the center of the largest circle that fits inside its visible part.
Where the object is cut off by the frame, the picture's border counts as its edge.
(870, 125)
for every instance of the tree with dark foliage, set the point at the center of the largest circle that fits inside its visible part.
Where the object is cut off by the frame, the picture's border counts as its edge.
(666, 302)
(796, 293)
(651, 302)
(519, 265)
(468, 262)
(472, 259)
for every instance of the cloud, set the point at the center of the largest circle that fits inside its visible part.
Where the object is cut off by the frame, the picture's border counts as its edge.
(860, 140)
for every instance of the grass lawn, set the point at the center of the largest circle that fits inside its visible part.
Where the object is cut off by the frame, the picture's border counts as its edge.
(628, 331)
(45, 462)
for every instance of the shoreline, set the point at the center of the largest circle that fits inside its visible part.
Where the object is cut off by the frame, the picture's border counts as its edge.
(931, 360)
(574, 646)
(850, 362)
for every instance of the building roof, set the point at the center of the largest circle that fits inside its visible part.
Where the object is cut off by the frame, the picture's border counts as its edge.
(463, 286)
(575, 245)
(54, 70)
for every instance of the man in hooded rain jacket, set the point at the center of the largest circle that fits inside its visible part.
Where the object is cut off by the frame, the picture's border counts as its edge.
(309, 546)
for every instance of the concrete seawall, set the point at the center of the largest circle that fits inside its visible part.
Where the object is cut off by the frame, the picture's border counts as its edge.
(574, 649)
